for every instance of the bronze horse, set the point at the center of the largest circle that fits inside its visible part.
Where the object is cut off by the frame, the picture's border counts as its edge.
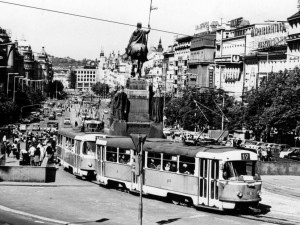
(138, 55)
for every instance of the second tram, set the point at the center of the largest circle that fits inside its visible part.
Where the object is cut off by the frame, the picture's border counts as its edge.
(76, 151)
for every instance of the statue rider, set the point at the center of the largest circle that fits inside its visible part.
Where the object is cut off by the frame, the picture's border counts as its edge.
(139, 36)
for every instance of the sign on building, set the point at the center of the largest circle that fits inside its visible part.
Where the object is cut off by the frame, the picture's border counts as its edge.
(235, 58)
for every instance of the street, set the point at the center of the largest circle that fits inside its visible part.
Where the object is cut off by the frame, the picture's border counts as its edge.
(70, 200)
(76, 201)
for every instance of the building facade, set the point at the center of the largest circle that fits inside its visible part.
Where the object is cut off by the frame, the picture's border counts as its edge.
(181, 58)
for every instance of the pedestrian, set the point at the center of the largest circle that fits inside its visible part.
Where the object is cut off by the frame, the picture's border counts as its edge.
(37, 155)
(31, 152)
(76, 123)
(50, 152)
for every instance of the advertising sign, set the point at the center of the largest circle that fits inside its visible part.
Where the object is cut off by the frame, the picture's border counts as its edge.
(236, 22)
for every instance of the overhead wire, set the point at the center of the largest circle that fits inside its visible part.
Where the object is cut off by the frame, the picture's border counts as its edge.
(104, 20)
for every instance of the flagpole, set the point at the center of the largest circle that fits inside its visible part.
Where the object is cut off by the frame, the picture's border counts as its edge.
(150, 13)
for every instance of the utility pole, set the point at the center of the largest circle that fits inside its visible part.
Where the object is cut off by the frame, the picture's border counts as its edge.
(138, 141)
(223, 105)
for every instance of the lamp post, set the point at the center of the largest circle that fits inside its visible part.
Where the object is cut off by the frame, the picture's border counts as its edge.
(7, 85)
(14, 93)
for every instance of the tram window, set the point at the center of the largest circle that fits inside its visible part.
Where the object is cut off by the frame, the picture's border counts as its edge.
(170, 163)
(124, 155)
(236, 169)
(186, 165)
(154, 160)
(214, 169)
(89, 148)
(203, 167)
(111, 154)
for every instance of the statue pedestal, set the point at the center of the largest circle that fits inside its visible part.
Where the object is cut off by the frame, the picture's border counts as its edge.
(138, 118)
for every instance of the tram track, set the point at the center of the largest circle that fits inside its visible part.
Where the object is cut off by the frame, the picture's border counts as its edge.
(270, 219)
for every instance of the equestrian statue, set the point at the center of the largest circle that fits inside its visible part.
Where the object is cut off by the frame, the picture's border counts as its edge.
(137, 48)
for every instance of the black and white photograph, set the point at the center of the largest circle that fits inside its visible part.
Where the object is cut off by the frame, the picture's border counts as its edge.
(149, 112)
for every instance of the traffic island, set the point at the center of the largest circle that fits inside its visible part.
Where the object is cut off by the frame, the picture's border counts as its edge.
(40, 174)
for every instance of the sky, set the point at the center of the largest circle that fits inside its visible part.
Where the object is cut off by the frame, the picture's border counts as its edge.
(78, 38)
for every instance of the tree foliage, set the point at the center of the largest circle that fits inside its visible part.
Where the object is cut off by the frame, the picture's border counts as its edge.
(198, 108)
(274, 106)
(100, 88)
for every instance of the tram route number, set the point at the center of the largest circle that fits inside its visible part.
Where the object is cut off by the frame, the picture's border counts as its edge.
(245, 156)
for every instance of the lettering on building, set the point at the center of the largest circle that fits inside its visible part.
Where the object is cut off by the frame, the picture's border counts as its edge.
(274, 28)
(236, 22)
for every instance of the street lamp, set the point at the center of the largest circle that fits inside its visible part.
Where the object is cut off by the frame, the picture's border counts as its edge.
(15, 87)
(7, 85)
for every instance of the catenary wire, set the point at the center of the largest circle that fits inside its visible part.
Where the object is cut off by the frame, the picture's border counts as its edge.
(103, 20)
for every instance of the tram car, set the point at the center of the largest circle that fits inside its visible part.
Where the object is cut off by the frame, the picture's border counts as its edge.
(76, 151)
(215, 177)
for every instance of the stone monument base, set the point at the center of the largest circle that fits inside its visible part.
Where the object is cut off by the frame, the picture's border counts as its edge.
(123, 128)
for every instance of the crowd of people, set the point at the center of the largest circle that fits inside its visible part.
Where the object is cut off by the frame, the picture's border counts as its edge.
(37, 146)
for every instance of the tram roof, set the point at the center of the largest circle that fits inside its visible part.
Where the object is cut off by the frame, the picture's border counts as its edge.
(176, 148)
(72, 133)
(165, 146)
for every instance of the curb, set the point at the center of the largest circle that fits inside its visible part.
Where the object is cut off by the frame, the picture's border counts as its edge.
(3, 208)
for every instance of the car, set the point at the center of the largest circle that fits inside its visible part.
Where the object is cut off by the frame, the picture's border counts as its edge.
(249, 144)
(52, 116)
(105, 111)
(285, 152)
(59, 114)
(26, 120)
(36, 127)
(67, 121)
(295, 154)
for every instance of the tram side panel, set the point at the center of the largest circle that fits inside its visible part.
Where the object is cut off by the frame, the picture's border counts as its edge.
(117, 171)
(163, 182)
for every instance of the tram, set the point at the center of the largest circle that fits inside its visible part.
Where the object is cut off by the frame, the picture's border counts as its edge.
(215, 177)
(76, 151)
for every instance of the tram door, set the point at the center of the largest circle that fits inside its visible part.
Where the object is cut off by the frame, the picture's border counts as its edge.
(100, 157)
(208, 179)
(77, 156)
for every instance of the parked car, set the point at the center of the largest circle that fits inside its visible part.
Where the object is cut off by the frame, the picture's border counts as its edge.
(295, 154)
(249, 145)
(277, 148)
(52, 116)
(36, 127)
(67, 121)
(285, 152)
(59, 114)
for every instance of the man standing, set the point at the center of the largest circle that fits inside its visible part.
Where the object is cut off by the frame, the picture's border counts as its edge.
(139, 36)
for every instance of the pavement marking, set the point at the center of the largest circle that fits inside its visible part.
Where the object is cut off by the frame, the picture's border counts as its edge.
(32, 215)
(37, 221)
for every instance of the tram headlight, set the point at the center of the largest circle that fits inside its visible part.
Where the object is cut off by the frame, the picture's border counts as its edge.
(90, 164)
(240, 194)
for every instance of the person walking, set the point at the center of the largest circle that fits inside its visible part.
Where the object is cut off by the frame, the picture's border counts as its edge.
(31, 152)
(37, 155)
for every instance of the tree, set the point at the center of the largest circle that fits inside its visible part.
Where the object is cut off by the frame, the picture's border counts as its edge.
(197, 109)
(275, 105)
(100, 88)
(54, 88)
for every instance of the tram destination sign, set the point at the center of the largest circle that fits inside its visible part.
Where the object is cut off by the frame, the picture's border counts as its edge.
(245, 156)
